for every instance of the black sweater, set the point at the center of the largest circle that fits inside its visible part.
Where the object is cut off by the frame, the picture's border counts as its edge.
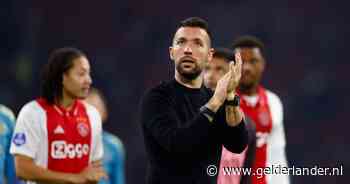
(180, 141)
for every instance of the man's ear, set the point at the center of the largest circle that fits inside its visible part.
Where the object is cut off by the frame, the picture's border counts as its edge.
(64, 76)
(171, 53)
(210, 54)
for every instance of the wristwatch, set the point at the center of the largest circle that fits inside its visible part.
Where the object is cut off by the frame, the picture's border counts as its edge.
(235, 102)
(207, 112)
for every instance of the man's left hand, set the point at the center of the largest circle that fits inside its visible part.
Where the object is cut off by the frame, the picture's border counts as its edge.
(236, 73)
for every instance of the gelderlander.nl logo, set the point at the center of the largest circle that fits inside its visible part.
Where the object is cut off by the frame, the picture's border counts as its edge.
(278, 170)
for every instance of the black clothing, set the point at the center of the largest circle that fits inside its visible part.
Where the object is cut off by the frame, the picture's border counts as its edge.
(250, 153)
(180, 141)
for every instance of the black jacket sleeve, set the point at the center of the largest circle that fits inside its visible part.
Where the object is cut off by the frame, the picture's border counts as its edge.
(250, 154)
(234, 139)
(159, 120)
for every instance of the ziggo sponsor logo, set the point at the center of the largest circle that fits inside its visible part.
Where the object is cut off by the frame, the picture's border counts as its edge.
(62, 150)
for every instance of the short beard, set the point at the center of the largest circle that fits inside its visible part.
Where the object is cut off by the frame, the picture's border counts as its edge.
(189, 75)
(246, 88)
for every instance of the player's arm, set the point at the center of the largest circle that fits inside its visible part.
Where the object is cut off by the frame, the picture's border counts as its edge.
(120, 177)
(97, 146)
(234, 135)
(225, 91)
(26, 169)
(98, 172)
(2, 156)
(10, 174)
(97, 163)
(119, 163)
(250, 154)
(234, 114)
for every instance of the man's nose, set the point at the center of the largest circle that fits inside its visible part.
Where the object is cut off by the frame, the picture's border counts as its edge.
(188, 50)
(246, 66)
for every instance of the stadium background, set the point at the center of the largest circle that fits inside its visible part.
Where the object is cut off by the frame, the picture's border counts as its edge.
(127, 44)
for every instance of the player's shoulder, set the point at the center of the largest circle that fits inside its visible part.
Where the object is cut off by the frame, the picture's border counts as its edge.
(7, 112)
(112, 140)
(273, 97)
(113, 144)
(31, 108)
(6, 122)
(276, 107)
(92, 114)
(162, 87)
(30, 115)
(161, 91)
(89, 108)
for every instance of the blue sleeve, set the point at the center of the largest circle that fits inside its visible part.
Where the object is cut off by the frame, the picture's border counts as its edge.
(10, 172)
(119, 165)
(113, 159)
(7, 166)
(2, 150)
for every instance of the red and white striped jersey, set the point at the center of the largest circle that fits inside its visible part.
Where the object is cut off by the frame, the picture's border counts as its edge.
(56, 139)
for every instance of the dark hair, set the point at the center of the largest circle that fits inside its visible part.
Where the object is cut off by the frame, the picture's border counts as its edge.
(195, 22)
(223, 53)
(60, 61)
(249, 42)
